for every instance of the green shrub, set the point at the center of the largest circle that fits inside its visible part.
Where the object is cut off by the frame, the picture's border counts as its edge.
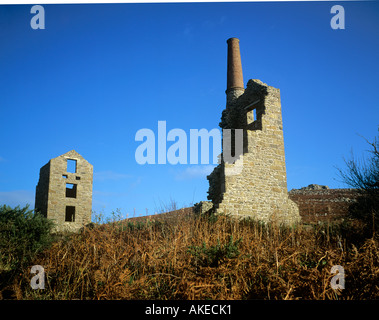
(213, 255)
(23, 233)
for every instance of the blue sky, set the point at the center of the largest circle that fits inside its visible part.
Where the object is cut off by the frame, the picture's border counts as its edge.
(98, 73)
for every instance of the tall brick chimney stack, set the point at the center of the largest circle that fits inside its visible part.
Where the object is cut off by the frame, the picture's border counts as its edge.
(235, 86)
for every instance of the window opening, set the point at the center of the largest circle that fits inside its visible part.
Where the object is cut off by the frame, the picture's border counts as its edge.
(70, 214)
(70, 190)
(71, 165)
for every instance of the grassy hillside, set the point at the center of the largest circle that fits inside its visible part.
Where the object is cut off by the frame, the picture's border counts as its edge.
(190, 257)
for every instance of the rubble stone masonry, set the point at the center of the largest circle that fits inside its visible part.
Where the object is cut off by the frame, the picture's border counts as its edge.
(254, 184)
(260, 189)
(64, 195)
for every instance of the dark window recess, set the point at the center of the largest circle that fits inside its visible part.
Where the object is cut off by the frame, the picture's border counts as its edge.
(77, 178)
(71, 166)
(71, 190)
(70, 214)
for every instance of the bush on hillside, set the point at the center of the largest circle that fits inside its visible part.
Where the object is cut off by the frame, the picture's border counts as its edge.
(364, 176)
(23, 234)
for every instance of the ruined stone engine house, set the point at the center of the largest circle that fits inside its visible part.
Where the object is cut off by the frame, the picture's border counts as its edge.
(259, 190)
(64, 191)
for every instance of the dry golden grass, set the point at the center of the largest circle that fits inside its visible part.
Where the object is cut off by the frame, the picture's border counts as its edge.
(191, 257)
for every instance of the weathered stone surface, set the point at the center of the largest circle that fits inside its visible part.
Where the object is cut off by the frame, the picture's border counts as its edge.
(53, 197)
(203, 207)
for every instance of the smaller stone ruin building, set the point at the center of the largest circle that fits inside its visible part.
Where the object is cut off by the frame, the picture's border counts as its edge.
(64, 191)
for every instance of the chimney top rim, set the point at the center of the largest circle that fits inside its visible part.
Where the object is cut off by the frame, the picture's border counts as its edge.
(233, 39)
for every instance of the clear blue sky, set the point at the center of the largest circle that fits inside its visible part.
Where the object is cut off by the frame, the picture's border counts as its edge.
(99, 73)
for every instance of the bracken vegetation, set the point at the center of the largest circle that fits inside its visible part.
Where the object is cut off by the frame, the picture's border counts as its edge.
(204, 257)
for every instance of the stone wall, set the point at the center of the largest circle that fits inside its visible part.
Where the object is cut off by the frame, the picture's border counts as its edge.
(66, 197)
(42, 189)
(260, 189)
